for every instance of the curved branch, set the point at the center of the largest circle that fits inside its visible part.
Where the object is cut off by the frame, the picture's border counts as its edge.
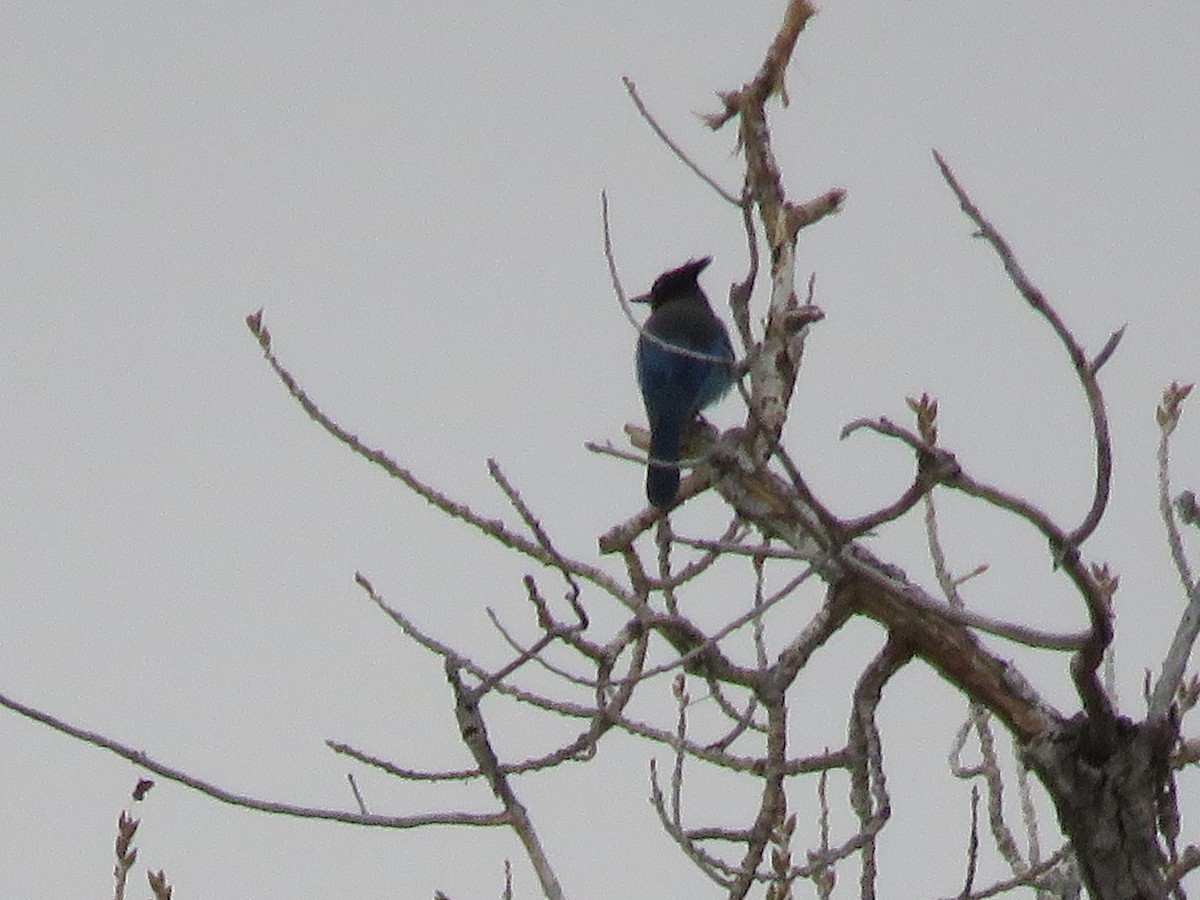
(1090, 587)
(1084, 370)
(868, 784)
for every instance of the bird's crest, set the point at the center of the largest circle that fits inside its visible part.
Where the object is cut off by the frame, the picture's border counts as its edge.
(675, 282)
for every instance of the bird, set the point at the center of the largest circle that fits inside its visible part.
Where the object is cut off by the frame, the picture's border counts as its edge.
(676, 386)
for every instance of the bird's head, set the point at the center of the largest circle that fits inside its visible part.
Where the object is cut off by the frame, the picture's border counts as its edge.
(679, 282)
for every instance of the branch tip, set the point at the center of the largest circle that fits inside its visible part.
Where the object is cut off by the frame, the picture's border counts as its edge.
(254, 323)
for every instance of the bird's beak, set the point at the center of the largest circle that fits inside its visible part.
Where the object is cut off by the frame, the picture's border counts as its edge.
(640, 298)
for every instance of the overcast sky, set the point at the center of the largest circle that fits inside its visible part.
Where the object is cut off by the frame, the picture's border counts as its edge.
(411, 191)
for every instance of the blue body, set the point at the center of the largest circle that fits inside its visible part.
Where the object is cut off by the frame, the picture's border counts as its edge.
(675, 386)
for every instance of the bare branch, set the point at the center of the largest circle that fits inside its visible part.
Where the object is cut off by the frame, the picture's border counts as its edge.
(772, 801)
(827, 620)
(1026, 879)
(945, 644)
(524, 655)
(1029, 816)
(1168, 414)
(823, 878)
(601, 719)
(668, 581)
(674, 147)
(1085, 371)
(358, 797)
(937, 554)
(934, 466)
(988, 769)
(493, 528)
(868, 784)
(1175, 661)
(710, 865)
(972, 845)
(473, 731)
(682, 701)
(739, 294)
(534, 652)
(579, 748)
(726, 548)
(543, 539)
(1091, 654)
(607, 448)
(774, 370)
(759, 565)
(1109, 348)
(140, 758)
(814, 518)
(679, 631)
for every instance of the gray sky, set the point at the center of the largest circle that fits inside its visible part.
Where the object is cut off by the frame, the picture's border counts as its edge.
(413, 196)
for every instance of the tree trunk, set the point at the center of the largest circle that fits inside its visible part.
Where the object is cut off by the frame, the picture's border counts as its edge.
(1107, 790)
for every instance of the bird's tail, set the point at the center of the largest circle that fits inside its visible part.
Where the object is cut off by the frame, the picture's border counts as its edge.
(662, 478)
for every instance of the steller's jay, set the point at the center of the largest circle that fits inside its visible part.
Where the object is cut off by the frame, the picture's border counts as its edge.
(676, 386)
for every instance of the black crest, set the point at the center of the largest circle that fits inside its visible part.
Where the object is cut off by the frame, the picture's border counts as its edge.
(675, 283)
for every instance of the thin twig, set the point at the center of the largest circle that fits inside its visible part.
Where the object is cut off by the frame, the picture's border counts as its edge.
(1109, 348)
(493, 528)
(628, 309)
(676, 629)
(714, 868)
(740, 293)
(823, 878)
(1025, 879)
(543, 538)
(358, 797)
(979, 721)
(245, 801)
(674, 147)
(1029, 815)
(972, 845)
